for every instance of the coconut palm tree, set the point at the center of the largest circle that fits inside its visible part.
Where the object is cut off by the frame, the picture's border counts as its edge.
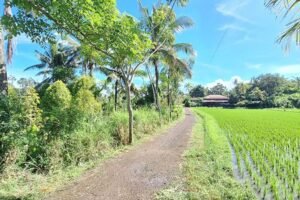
(287, 7)
(55, 65)
(163, 35)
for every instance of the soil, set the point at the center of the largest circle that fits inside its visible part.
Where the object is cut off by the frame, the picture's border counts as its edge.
(137, 174)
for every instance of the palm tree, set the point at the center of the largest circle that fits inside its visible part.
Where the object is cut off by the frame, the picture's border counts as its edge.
(176, 69)
(55, 65)
(9, 52)
(288, 6)
(80, 56)
(163, 35)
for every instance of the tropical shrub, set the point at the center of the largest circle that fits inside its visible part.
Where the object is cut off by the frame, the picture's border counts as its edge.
(84, 83)
(56, 103)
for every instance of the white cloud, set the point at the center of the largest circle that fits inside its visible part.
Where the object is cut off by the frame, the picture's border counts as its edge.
(253, 66)
(228, 83)
(288, 69)
(232, 8)
(233, 27)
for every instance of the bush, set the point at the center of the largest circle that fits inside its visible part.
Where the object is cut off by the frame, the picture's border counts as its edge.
(56, 103)
(84, 104)
(84, 83)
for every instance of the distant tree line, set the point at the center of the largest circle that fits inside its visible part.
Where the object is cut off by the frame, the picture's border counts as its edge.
(264, 91)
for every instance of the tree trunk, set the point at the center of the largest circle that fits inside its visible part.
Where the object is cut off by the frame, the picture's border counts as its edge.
(91, 69)
(3, 70)
(116, 94)
(152, 86)
(169, 95)
(157, 96)
(130, 111)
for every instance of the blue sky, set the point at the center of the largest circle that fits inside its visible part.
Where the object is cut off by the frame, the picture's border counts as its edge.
(248, 48)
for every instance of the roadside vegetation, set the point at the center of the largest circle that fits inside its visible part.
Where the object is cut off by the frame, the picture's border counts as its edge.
(87, 105)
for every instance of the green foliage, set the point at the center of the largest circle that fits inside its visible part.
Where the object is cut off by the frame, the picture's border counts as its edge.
(32, 114)
(84, 104)
(56, 103)
(83, 83)
(198, 91)
(267, 90)
(218, 89)
(40, 19)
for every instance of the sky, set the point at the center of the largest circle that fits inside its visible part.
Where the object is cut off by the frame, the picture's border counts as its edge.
(234, 39)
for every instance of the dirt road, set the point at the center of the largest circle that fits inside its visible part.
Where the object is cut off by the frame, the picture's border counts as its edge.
(136, 174)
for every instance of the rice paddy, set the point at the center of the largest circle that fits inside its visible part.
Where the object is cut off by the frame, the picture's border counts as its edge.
(266, 149)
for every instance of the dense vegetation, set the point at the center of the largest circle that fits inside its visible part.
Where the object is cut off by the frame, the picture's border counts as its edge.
(71, 118)
(266, 146)
(264, 91)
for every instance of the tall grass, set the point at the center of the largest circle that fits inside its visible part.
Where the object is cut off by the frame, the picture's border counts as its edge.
(95, 139)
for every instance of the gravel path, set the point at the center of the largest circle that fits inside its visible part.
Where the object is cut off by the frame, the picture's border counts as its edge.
(137, 174)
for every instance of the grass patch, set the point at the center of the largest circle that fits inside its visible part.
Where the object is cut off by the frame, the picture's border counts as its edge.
(208, 172)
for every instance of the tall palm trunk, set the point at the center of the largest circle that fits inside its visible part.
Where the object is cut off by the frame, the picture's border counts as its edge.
(169, 95)
(157, 77)
(3, 70)
(152, 86)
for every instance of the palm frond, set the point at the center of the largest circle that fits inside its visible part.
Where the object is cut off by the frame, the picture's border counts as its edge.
(37, 66)
(182, 23)
(185, 47)
(173, 61)
(44, 72)
(181, 3)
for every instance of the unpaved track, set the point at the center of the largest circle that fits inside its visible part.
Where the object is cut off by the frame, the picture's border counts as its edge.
(136, 174)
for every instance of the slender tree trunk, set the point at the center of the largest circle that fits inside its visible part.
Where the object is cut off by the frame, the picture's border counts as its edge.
(3, 70)
(91, 69)
(116, 94)
(152, 86)
(130, 111)
(157, 77)
(169, 96)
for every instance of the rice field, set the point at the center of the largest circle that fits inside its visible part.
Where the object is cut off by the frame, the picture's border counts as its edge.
(265, 149)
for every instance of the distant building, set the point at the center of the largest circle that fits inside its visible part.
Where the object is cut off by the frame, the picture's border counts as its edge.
(215, 100)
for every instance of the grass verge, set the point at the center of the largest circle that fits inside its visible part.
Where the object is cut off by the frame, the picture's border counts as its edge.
(207, 169)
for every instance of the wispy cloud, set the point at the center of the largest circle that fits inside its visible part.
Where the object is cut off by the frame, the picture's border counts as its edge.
(233, 27)
(288, 69)
(253, 66)
(228, 83)
(232, 8)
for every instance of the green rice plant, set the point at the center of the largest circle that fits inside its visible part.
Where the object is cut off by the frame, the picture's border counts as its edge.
(268, 142)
